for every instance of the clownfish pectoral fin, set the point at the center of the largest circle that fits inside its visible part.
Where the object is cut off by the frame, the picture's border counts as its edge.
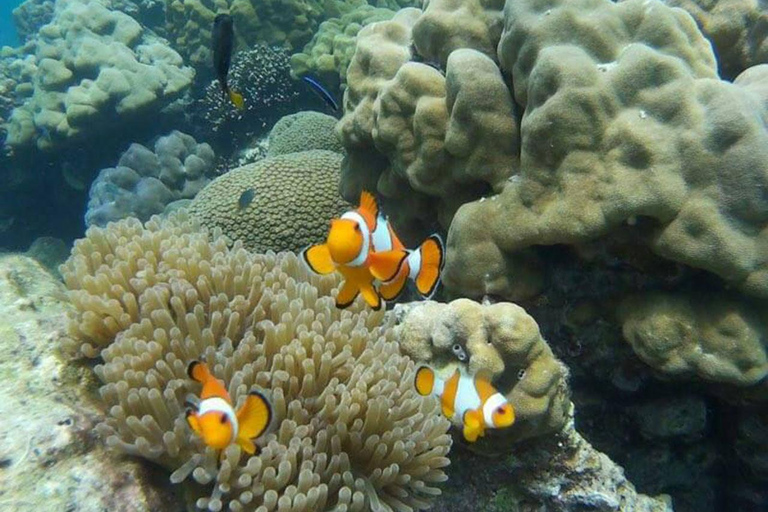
(194, 423)
(253, 418)
(432, 253)
(347, 295)
(385, 265)
(371, 296)
(318, 259)
(237, 99)
(392, 290)
(473, 425)
(198, 371)
(425, 380)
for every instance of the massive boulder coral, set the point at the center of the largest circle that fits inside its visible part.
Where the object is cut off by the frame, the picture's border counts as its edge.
(501, 339)
(349, 429)
(304, 131)
(630, 130)
(738, 30)
(144, 182)
(93, 68)
(452, 137)
(282, 203)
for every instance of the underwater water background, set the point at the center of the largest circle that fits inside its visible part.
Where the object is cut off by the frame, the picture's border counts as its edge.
(581, 189)
(8, 35)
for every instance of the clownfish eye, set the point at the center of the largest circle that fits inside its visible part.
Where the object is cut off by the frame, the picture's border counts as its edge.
(357, 227)
(223, 418)
(500, 410)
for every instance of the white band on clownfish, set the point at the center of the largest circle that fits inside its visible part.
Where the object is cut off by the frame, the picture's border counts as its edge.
(494, 401)
(382, 238)
(218, 404)
(363, 255)
(414, 263)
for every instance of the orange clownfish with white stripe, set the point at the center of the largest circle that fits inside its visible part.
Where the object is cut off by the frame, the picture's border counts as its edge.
(215, 420)
(470, 401)
(362, 246)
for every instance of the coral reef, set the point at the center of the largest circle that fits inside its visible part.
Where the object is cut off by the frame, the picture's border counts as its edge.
(31, 15)
(93, 68)
(738, 30)
(501, 339)
(329, 53)
(144, 182)
(294, 196)
(262, 76)
(304, 131)
(51, 458)
(349, 432)
(719, 339)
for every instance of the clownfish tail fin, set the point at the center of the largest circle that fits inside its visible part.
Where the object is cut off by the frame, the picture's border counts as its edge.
(428, 263)
(425, 380)
(254, 418)
(198, 371)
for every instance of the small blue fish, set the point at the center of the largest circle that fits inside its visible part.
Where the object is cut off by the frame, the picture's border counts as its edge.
(246, 198)
(322, 92)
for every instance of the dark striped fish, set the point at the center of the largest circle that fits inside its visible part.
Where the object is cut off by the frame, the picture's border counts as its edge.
(322, 92)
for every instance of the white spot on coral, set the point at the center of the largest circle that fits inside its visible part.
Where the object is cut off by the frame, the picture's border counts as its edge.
(643, 114)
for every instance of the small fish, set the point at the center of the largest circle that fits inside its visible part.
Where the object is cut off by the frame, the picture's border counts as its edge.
(423, 265)
(348, 250)
(246, 198)
(223, 38)
(214, 419)
(322, 92)
(471, 402)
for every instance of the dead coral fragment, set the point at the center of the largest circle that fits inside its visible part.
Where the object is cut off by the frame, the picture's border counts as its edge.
(350, 431)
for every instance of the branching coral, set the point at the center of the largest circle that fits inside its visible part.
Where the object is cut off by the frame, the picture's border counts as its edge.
(349, 431)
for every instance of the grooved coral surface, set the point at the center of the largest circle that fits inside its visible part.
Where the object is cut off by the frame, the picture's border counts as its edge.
(503, 340)
(349, 430)
(625, 121)
(294, 198)
(94, 68)
(304, 131)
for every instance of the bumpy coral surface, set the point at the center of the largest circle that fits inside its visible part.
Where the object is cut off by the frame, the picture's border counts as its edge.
(144, 182)
(349, 429)
(304, 131)
(452, 136)
(330, 51)
(94, 68)
(719, 339)
(620, 131)
(282, 203)
(738, 30)
(503, 340)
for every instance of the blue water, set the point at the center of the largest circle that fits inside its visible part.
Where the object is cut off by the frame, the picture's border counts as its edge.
(8, 35)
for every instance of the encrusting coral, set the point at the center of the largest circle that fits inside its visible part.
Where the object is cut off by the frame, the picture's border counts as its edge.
(349, 430)
(293, 198)
(501, 339)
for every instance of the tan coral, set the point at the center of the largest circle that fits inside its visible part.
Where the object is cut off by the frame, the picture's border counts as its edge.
(718, 339)
(304, 131)
(501, 339)
(349, 429)
(294, 198)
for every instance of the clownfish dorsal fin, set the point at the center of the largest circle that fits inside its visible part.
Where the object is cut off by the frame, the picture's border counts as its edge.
(212, 387)
(368, 209)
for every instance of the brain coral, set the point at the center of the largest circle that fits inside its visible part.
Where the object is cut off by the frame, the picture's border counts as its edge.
(294, 198)
(349, 430)
(94, 68)
(144, 182)
(501, 339)
(303, 131)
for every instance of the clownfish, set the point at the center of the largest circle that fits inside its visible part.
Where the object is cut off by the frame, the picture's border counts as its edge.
(349, 250)
(470, 401)
(422, 265)
(214, 419)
